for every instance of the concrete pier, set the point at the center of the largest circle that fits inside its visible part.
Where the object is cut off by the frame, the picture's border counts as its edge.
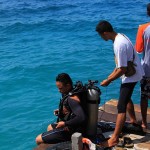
(108, 113)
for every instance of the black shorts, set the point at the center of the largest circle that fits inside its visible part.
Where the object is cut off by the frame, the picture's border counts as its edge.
(145, 88)
(126, 91)
(56, 135)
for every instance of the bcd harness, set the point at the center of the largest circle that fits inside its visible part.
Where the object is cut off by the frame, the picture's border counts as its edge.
(82, 91)
(78, 90)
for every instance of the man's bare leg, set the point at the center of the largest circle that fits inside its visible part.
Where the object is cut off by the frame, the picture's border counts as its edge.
(49, 128)
(115, 137)
(39, 139)
(144, 105)
(131, 112)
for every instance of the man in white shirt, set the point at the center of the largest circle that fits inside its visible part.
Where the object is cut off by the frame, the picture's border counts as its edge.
(124, 52)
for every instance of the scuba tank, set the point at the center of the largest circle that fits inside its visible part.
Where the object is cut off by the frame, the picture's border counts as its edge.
(92, 104)
(89, 95)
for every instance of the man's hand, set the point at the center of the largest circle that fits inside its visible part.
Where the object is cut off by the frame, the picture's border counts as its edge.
(105, 82)
(114, 75)
(56, 112)
(60, 124)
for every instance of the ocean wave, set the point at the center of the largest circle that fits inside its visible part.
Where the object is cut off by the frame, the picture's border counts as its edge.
(49, 24)
(31, 8)
(42, 38)
(35, 10)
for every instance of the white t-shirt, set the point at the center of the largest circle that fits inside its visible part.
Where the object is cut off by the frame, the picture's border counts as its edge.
(123, 50)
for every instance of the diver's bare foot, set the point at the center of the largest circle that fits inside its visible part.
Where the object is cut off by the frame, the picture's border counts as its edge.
(109, 143)
(144, 126)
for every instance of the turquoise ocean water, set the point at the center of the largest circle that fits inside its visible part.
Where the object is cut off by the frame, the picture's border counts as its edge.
(41, 38)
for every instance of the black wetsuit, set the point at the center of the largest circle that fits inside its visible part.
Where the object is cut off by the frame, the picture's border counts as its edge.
(74, 121)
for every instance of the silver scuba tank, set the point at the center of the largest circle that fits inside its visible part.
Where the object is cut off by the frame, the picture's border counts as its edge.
(93, 100)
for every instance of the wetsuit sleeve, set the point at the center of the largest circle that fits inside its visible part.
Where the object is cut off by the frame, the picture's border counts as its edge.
(79, 115)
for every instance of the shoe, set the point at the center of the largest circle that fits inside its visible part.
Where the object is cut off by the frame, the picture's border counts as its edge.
(133, 128)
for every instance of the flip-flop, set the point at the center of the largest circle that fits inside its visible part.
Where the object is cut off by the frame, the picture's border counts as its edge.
(128, 142)
(102, 146)
(119, 148)
(120, 143)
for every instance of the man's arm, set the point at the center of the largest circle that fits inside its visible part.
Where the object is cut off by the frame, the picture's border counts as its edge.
(79, 115)
(114, 75)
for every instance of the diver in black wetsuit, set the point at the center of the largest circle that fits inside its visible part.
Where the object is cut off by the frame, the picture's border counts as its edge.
(71, 116)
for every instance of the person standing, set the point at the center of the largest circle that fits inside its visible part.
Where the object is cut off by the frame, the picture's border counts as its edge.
(124, 52)
(143, 46)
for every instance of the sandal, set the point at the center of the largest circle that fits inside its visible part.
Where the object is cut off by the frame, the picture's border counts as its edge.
(128, 142)
(120, 143)
(120, 148)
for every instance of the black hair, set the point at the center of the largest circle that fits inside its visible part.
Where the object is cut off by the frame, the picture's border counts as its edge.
(148, 9)
(64, 78)
(104, 26)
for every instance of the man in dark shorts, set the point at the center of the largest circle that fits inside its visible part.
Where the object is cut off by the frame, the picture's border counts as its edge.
(71, 117)
(145, 95)
(124, 52)
(143, 46)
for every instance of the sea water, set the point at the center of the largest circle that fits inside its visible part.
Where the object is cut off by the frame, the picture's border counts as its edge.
(41, 38)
